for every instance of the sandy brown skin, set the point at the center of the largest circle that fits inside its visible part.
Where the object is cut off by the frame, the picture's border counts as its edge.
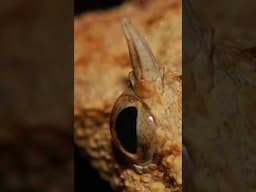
(219, 125)
(101, 76)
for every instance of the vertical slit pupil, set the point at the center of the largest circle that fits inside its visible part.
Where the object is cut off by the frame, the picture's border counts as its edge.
(126, 128)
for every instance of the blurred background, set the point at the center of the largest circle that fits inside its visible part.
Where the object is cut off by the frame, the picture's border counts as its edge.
(36, 95)
(90, 5)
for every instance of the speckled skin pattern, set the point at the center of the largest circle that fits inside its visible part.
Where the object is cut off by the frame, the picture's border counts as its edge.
(101, 75)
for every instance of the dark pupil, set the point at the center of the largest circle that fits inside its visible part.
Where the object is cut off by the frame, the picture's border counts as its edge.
(126, 128)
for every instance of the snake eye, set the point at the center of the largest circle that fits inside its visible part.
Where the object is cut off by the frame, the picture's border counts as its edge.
(133, 129)
(125, 127)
